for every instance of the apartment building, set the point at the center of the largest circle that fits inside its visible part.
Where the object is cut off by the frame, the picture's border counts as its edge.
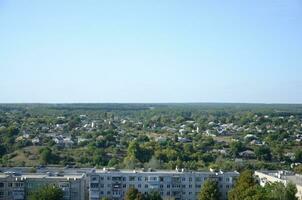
(15, 186)
(284, 177)
(178, 184)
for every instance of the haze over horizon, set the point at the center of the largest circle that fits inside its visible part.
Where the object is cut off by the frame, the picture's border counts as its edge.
(155, 52)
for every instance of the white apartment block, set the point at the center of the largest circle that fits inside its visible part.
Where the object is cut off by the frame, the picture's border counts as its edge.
(284, 177)
(178, 185)
(15, 186)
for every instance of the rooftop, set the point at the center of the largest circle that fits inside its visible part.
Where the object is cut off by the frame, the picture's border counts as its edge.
(285, 175)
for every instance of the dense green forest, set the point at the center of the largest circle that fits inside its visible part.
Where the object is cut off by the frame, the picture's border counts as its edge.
(192, 136)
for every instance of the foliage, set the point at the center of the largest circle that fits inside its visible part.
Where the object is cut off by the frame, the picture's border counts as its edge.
(153, 195)
(125, 135)
(48, 157)
(48, 192)
(209, 190)
(246, 188)
(263, 153)
(133, 194)
(278, 191)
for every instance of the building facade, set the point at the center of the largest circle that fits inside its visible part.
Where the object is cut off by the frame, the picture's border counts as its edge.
(178, 185)
(18, 186)
(284, 177)
(92, 184)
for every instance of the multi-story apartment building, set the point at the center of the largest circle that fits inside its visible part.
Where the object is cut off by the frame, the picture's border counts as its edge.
(284, 177)
(179, 184)
(15, 186)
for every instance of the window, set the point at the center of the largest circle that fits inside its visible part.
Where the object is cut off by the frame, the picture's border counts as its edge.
(94, 185)
(1, 185)
(132, 178)
(18, 184)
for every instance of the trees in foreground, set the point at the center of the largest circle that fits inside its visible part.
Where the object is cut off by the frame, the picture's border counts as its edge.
(246, 188)
(48, 192)
(209, 191)
(134, 194)
(278, 191)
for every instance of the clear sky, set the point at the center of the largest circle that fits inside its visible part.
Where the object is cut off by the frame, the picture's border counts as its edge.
(151, 51)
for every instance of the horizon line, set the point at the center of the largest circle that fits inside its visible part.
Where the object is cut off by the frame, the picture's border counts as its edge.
(179, 102)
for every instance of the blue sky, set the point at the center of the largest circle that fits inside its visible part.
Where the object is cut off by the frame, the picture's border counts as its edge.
(151, 51)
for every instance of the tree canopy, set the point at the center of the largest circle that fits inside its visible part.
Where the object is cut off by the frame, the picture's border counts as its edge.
(48, 192)
(246, 188)
(209, 191)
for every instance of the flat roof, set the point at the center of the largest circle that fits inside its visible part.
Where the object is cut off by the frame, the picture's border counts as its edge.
(285, 175)
(162, 172)
(43, 175)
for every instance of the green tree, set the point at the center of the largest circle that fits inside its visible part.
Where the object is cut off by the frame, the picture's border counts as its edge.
(236, 148)
(263, 153)
(113, 162)
(298, 169)
(291, 191)
(153, 195)
(137, 153)
(48, 192)
(245, 187)
(46, 155)
(298, 155)
(133, 194)
(2, 150)
(278, 191)
(209, 191)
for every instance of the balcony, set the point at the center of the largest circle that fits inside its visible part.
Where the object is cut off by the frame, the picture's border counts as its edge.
(94, 195)
(116, 186)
